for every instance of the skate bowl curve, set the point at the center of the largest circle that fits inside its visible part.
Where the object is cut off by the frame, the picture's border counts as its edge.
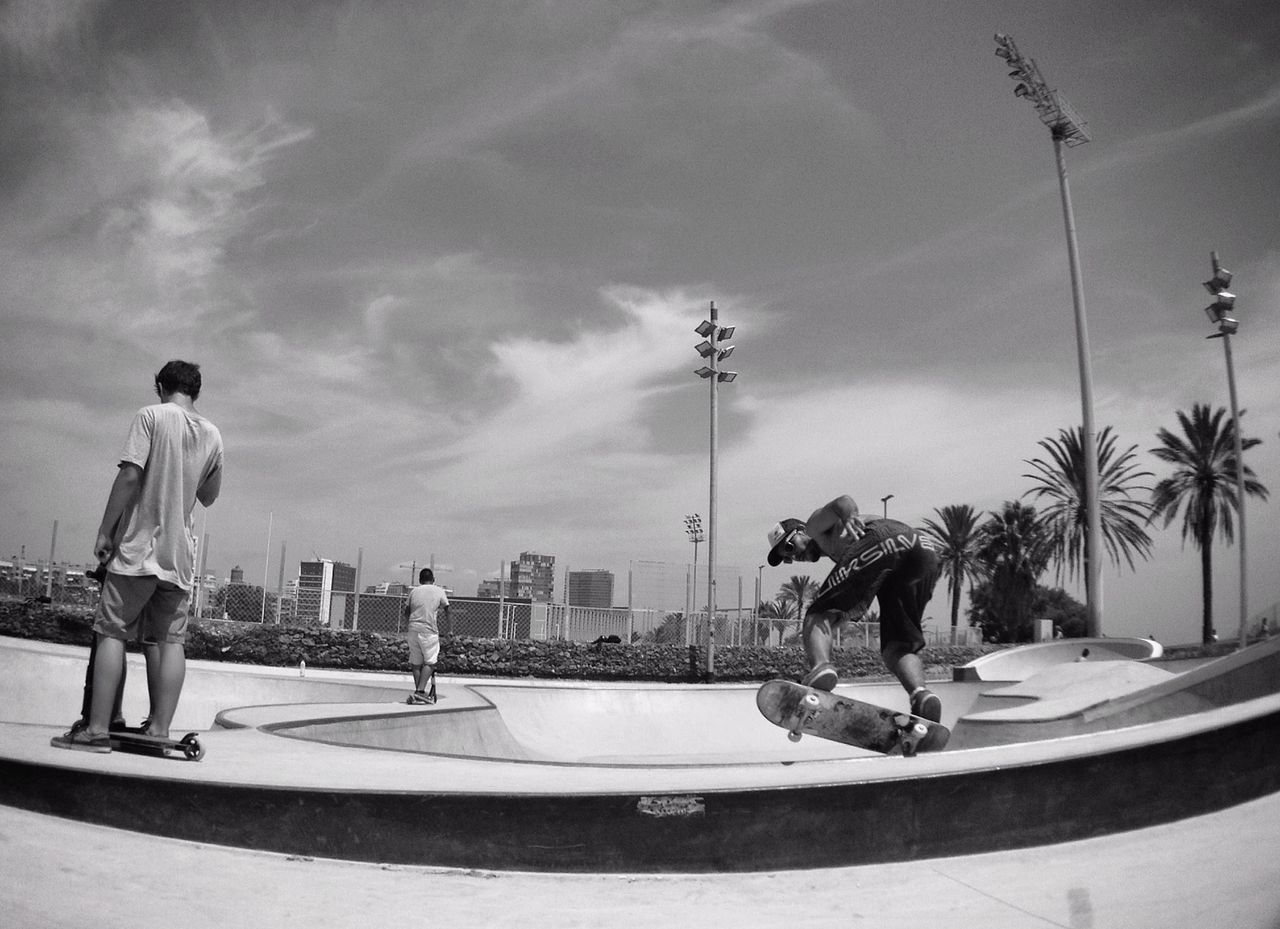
(531, 776)
(1016, 664)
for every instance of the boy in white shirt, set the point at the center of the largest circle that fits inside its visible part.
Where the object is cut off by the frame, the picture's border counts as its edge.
(426, 605)
(172, 458)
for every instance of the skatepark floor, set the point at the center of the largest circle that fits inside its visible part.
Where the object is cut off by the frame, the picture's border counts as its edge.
(1219, 869)
(1198, 872)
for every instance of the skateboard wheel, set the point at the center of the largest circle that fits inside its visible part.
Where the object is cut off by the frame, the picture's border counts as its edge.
(191, 747)
(793, 736)
(811, 701)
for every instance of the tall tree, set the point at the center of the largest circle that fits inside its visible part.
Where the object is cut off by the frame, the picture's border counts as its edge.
(957, 533)
(1014, 553)
(1060, 490)
(1203, 485)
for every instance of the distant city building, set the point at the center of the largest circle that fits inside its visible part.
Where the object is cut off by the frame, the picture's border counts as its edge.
(592, 588)
(533, 576)
(389, 589)
(237, 575)
(492, 588)
(326, 593)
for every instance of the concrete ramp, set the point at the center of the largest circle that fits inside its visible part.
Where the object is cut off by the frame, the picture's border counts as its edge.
(472, 733)
(1022, 661)
(626, 726)
(1090, 697)
(47, 682)
(672, 778)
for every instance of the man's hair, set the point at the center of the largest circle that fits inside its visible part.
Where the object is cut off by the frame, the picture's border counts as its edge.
(179, 377)
(426, 576)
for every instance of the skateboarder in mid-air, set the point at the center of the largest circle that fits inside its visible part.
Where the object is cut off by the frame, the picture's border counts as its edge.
(875, 558)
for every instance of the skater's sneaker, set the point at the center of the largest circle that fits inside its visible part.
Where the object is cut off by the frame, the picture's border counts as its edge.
(823, 677)
(926, 704)
(418, 698)
(81, 741)
(117, 725)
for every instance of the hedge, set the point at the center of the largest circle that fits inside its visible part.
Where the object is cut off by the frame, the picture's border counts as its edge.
(320, 647)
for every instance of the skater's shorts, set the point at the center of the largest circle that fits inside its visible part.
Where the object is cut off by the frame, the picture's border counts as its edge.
(424, 645)
(899, 573)
(144, 607)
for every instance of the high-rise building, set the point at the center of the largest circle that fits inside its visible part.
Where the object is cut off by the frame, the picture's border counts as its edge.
(533, 576)
(593, 588)
(320, 583)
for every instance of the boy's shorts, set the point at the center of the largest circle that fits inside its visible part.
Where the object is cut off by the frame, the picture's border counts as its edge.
(903, 597)
(424, 646)
(900, 579)
(142, 607)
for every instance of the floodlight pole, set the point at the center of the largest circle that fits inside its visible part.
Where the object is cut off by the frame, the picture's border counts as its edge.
(693, 526)
(1089, 434)
(711, 350)
(1239, 449)
(1218, 311)
(712, 514)
(1067, 129)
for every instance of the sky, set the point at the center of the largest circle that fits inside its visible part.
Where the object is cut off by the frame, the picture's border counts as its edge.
(441, 265)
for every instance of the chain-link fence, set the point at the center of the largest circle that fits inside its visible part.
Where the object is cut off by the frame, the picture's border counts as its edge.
(468, 616)
(649, 583)
(61, 585)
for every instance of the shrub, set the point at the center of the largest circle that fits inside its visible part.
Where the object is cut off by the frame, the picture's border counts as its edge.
(321, 647)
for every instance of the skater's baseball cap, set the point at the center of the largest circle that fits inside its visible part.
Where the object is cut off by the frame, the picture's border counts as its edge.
(780, 535)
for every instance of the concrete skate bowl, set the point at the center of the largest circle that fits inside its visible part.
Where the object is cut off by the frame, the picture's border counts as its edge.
(46, 682)
(602, 726)
(603, 778)
(1016, 664)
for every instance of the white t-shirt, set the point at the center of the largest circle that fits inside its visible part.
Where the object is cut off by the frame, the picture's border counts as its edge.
(177, 451)
(425, 601)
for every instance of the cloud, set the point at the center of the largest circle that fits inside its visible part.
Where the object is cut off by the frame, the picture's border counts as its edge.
(572, 422)
(38, 32)
(187, 196)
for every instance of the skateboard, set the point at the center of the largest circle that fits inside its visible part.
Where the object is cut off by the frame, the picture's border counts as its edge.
(189, 745)
(801, 710)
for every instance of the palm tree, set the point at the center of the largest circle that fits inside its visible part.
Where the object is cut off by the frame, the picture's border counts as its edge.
(958, 535)
(1204, 480)
(771, 611)
(800, 590)
(1013, 552)
(1123, 517)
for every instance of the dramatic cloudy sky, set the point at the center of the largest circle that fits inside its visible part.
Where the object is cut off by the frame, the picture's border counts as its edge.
(442, 262)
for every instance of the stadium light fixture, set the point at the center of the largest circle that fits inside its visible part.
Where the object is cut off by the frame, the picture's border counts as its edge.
(1066, 128)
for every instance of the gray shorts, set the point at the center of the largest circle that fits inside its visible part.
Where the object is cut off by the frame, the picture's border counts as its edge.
(424, 645)
(144, 607)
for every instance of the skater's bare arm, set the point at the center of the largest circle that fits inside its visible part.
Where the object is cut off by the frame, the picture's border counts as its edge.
(209, 490)
(124, 491)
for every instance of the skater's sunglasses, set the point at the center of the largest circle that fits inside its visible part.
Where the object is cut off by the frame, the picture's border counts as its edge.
(789, 548)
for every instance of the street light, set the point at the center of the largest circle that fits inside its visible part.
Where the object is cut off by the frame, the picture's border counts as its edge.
(1067, 129)
(1223, 303)
(693, 527)
(713, 352)
(759, 601)
(885, 500)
